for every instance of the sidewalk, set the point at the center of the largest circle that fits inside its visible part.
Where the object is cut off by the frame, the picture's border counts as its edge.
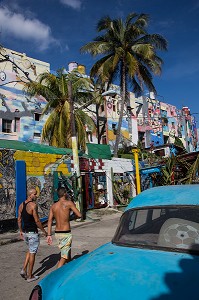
(94, 215)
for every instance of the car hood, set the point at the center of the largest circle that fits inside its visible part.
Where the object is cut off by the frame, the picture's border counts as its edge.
(112, 272)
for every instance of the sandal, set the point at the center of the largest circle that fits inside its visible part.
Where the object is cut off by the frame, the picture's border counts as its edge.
(23, 274)
(35, 277)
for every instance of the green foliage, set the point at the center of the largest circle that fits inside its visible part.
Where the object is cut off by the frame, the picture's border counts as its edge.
(54, 88)
(127, 51)
(192, 172)
(127, 156)
(168, 171)
(178, 171)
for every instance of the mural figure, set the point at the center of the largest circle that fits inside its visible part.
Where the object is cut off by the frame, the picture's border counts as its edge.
(44, 191)
(7, 185)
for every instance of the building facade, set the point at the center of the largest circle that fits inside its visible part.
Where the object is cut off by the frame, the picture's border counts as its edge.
(151, 122)
(20, 117)
(146, 119)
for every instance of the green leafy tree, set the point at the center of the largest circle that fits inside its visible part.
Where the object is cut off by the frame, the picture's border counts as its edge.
(168, 176)
(54, 88)
(177, 170)
(127, 51)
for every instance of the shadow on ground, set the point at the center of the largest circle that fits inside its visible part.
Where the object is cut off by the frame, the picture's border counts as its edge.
(50, 261)
(47, 263)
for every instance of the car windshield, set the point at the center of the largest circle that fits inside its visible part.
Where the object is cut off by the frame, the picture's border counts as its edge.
(169, 227)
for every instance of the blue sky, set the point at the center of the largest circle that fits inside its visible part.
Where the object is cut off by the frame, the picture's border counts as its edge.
(54, 31)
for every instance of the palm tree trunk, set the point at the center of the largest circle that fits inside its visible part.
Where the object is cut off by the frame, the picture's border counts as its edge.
(123, 98)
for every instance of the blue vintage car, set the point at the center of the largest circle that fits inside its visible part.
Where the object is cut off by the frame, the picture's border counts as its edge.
(154, 254)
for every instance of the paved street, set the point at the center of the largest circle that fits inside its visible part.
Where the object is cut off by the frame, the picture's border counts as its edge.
(85, 239)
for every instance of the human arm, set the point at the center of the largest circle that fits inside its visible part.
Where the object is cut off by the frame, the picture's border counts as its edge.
(36, 218)
(19, 221)
(50, 220)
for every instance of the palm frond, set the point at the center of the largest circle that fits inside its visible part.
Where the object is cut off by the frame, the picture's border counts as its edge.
(192, 172)
(96, 47)
(142, 20)
(104, 23)
(57, 128)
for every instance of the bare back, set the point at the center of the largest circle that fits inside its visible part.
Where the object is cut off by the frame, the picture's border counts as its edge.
(61, 212)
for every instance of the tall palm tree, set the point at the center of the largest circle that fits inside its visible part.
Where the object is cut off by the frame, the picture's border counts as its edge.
(129, 53)
(57, 129)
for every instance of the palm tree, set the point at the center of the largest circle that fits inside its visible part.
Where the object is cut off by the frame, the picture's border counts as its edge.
(57, 129)
(129, 53)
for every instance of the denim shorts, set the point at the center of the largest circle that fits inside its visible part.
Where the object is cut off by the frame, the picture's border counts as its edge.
(32, 241)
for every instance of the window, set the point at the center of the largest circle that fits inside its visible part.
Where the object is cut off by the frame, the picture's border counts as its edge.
(163, 113)
(156, 213)
(17, 125)
(37, 117)
(37, 134)
(89, 136)
(174, 228)
(104, 141)
(141, 217)
(6, 125)
(114, 105)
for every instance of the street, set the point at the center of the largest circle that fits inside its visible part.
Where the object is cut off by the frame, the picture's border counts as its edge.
(85, 239)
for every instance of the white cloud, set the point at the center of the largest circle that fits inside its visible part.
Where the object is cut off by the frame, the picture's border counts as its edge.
(76, 4)
(28, 29)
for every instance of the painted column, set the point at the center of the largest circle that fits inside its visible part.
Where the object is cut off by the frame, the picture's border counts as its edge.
(137, 172)
(20, 169)
(109, 186)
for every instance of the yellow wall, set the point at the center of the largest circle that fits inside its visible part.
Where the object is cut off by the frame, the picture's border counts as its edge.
(38, 164)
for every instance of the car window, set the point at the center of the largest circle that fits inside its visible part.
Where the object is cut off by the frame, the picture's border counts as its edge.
(156, 213)
(137, 219)
(167, 227)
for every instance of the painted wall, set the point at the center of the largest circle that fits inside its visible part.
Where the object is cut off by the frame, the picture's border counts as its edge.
(129, 129)
(115, 169)
(39, 171)
(15, 106)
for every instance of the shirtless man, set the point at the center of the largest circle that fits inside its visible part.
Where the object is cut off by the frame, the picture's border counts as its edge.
(28, 214)
(61, 212)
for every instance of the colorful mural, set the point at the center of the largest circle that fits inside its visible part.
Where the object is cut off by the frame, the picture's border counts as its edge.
(20, 116)
(39, 171)
(7, 184)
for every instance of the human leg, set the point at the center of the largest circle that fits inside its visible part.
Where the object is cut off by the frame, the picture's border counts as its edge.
(31, 264)
(26, 261)
(61, 262)
(23, 271)
(33, 243)
(64, 243)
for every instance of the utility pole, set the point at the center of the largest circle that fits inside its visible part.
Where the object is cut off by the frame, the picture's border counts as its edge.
(75, 149)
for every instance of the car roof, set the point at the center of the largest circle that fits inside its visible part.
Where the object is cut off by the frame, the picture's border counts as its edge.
(167, 195)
